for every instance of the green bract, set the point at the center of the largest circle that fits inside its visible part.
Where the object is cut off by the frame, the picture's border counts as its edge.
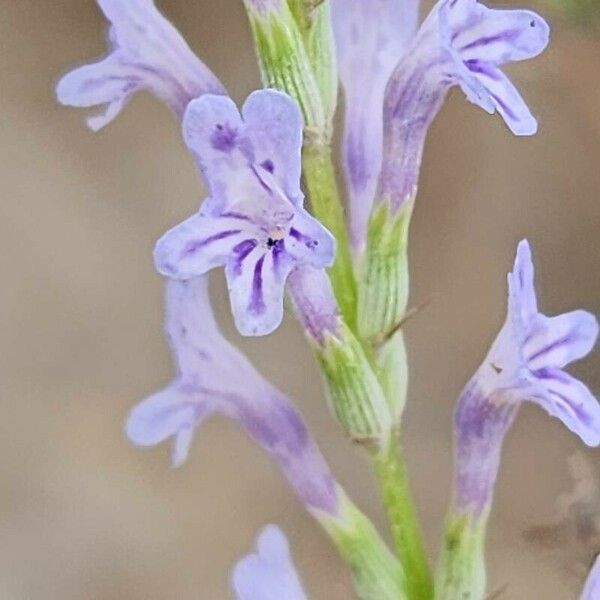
(383, 282)
(355, 395)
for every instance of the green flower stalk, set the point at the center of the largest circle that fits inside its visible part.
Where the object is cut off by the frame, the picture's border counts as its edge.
(376, 573)
(461, 570)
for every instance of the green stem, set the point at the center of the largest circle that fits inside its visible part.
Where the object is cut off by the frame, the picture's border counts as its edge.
(404, 521)
(461, 568)
(321, 184)
(376, 572)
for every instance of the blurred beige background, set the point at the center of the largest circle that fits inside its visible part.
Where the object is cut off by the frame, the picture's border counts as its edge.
(85, 516)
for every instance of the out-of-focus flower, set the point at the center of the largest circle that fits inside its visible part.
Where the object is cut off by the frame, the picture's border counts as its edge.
(254, 223)
(147, 53)
(463, 43)
(371, 37)
(215, 377)
(572, 537)
(269, 574)
(525, 363)
(592, 586)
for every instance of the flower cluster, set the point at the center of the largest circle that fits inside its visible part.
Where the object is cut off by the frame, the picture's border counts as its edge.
(351, 302)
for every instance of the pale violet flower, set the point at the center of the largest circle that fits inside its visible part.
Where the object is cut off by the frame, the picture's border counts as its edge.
(463, 43)
(371, 37)
(253, 223)
(213, 376)
(147, 53)
(268, 574)
(525, 363)
(592, 585)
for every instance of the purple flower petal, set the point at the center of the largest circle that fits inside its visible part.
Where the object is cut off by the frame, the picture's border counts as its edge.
(164, 414)
(309, 242)
(274, 123)
(481, 38)
(256, 291)
(269, 574)
(521, 282)
(592, 585)
(147, 53)
(508, 102)
(558, 341)
(197, 245)
(498, 36)
(213, 130)
(569, 400)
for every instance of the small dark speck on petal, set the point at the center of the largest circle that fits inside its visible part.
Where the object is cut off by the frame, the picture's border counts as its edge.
(532, 23)
(268, 165)
(223, 138)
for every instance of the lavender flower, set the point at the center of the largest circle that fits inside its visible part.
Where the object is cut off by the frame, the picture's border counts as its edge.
(270, 573)
(592, 585)
(460, 43)
(147, 53)
(524, 363)
(254, 223)
(214, 377)
(371, 37)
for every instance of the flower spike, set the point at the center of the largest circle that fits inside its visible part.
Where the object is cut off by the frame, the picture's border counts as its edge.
(147, 53)
(254, 223)
(269, 574)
